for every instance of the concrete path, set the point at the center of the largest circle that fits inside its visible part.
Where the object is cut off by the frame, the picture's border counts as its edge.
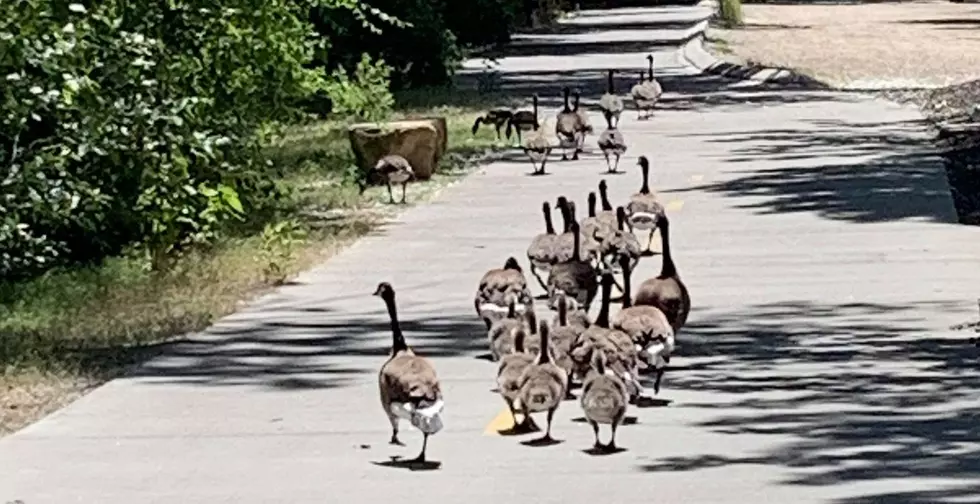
(817, 241)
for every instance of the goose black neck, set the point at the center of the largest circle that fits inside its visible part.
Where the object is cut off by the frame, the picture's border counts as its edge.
(549, 227)
(562, 311)
(600, 363)
(645, 169)
(602, 319)
(620, 218)
(576, 102)
(576, 254)
(591, 204)
(609, 82)
(627, 297)
(668, 269)
(606, 205)
(651, 69)
(535, 102)
(567, 107)
(398, 343)
(545, 356)
(519, 342)
(566, 220)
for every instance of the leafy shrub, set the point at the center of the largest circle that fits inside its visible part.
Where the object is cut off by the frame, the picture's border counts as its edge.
(366, 94)
(730, 13)
(143, 122)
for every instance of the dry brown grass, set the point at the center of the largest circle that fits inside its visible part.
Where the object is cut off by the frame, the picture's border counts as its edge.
(931, 43)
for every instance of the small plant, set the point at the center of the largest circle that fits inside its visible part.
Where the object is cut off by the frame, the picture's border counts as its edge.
(366, 94)
(730, 13)
(279, 242)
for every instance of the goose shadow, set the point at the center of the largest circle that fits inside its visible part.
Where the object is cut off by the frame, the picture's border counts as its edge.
(603, 450)
(627, 420)
(396, 462)
(643, 402)
(542, 442)
(520, 429)
(484, 357)
(607, 172)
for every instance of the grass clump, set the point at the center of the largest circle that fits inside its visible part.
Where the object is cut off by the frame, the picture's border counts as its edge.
(730, 13)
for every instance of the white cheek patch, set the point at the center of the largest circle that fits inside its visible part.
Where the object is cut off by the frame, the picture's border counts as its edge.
(495, 308)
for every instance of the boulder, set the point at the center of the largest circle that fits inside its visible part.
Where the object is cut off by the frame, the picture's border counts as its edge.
(421, 141)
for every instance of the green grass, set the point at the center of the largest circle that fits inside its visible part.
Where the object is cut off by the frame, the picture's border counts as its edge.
(67, 331)
(730, 13)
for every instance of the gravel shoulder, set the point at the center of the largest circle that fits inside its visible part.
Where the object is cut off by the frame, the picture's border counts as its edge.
(926, 53)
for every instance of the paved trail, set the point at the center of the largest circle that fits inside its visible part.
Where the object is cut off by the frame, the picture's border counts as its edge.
(817, 241)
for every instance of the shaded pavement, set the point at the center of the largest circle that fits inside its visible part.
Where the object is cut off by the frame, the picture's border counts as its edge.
(816, 235)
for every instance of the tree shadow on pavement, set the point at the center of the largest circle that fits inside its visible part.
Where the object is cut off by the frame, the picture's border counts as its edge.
(850, 394)
(849, 170)
(311, 349)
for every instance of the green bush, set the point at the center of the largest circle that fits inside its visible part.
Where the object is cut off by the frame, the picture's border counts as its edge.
(140, 122)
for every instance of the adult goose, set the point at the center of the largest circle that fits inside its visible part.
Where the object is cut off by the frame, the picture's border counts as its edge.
(644, 210)
(498, 117)
(395, 169)
(408, 383)
(575, 277)
(584, 125)
(496, 287)
(536, 145)
(646, 93)
(666, 291)
(523, 120)
(612, 143)
(566, 128)
(541, 251)
(611, 104)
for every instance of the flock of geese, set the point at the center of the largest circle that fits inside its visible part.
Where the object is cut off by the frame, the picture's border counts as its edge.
(539, 362)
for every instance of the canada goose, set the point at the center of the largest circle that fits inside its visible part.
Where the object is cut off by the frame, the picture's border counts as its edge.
(611, 104)
(607, 215)
(647, 327)
(395, 170)
(565, 243)
(498, 117)
(577, 317)
(566, 128)
(504, 332)
(612, 143)
(619, 243)
(584, 125)
(593, 231)
(646, 93)
(666, 291)
(406, 381)
(536, 146)
(524, 120)
(604, 399)
(494, 291)
(541, 251)
(575, 277)
(620, 351)
(564, 334)
(644, 211)
(543, 383)
(509, 373)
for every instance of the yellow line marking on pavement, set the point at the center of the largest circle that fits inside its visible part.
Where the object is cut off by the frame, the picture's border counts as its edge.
(674, 205)
(697, 178)
(503, 421)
